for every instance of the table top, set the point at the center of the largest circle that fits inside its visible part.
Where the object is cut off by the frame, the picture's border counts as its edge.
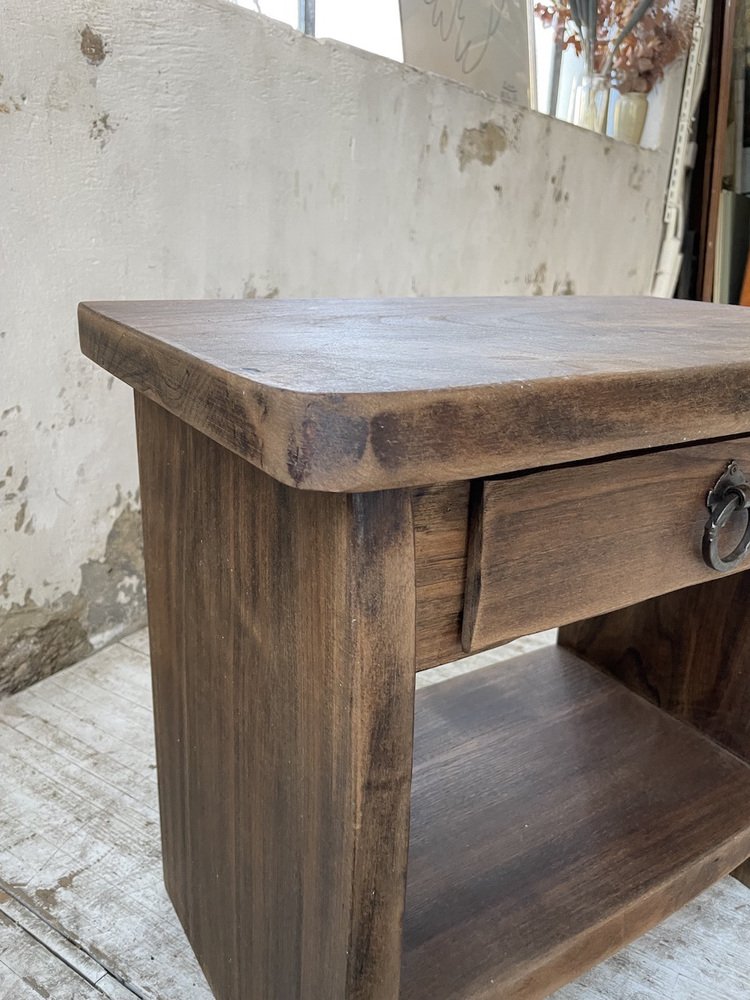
(350, 395)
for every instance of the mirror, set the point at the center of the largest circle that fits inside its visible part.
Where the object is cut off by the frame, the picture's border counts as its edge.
(613, 66)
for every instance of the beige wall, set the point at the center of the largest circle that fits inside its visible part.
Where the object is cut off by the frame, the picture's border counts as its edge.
(164, 148)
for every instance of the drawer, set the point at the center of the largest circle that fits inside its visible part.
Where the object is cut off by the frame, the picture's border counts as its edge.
(557, 545)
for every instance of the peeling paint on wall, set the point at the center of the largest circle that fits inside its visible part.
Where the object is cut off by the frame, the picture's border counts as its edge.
(36, 640)
(482, 145)
(113, 587)
(136, 143)
(93, 47)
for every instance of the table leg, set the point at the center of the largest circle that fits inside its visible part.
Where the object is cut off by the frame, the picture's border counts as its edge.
(282, 637)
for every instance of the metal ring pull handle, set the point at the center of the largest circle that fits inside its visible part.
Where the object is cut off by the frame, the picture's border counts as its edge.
(730, 495)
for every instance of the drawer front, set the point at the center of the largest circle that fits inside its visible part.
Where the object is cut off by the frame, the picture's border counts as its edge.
(562, 544)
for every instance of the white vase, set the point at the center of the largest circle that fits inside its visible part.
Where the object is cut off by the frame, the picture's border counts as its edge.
(630, 116)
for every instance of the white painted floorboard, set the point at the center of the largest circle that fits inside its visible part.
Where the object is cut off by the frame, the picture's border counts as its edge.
(83, 912)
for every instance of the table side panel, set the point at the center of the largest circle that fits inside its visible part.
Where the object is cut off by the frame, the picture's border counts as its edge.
(282, 638)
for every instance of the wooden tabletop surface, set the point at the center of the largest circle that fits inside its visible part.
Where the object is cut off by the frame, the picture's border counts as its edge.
(349, 395)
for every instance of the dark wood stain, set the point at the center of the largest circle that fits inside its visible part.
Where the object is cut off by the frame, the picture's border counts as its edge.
(549, 547)
(555, 817)
(282, 637)
(385, 437)
(687, 652)
(431, 390)
(441, 520)
(339, 493)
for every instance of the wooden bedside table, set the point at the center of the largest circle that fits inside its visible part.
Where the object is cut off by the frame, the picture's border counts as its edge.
(337, 494)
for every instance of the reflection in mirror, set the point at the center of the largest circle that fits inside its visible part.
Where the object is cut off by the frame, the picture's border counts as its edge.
(615, 52)
(486, 44)
(614, 66)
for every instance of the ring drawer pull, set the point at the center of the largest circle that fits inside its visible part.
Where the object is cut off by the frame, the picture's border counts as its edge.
(730, 494)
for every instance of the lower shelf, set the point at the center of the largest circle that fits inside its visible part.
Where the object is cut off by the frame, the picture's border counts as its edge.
(555, 817)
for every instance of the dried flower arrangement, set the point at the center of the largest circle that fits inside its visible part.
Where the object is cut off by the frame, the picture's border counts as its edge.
(661, 36)
(630, 42)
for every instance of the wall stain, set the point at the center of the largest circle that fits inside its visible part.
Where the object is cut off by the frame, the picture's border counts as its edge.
(481, 145)
(10, 104)
(557, 180)
(114, 586)
(37, 640)
(250, 291)
(536, 280)
(636, 178)
(20, 516)
(444, 139)
(102, 128)
(93, 47)
(566, 287)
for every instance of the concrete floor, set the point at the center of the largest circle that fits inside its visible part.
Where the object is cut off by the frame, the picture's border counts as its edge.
(83, 913)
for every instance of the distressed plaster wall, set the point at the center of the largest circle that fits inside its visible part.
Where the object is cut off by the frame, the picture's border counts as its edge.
(165, 148)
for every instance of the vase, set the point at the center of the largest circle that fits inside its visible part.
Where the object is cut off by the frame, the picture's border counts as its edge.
(630, 117)
(591, 103)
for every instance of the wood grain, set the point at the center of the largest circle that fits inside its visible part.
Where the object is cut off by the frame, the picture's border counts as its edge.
(282, 640)
(441, 524)
(357, 396)
(555, 816)
(686, 652)
(558, 545)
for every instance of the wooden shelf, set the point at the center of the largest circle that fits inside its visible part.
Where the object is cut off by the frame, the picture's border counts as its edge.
(555, 817)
